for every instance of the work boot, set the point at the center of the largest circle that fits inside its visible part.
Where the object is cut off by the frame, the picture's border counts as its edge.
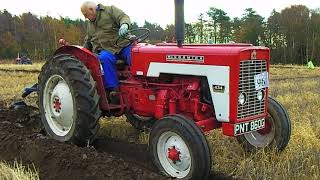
(114, 96)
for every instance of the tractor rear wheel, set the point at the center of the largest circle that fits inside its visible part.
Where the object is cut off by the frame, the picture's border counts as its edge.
(276, 133)
(179, 148)
(68, 100)
(140, 122)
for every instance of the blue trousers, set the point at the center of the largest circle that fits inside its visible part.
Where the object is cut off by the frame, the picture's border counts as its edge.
(108, 61)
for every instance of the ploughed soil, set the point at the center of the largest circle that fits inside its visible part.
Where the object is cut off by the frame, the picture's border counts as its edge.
(22, 139)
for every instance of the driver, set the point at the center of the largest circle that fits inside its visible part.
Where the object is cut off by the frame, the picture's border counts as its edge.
(106, 24)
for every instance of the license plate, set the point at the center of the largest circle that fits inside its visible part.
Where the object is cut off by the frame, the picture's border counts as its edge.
(261, 80)
(246, 127)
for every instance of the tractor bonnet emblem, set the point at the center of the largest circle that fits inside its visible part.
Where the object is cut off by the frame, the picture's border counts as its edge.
(218, 88)
(254, 54)
(185, 58)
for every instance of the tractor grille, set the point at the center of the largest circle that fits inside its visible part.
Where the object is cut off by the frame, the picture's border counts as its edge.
(248, 69)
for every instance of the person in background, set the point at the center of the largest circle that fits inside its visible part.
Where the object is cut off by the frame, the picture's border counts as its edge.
(18, 59)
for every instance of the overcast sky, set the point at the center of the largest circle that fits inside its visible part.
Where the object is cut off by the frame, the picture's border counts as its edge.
(155, 11)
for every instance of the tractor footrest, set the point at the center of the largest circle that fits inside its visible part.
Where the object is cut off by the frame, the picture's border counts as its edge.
(114, 106)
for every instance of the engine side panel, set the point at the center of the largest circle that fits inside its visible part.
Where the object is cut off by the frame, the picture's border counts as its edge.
(218, 77)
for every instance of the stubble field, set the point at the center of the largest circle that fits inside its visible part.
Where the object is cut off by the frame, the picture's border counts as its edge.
(296, 87)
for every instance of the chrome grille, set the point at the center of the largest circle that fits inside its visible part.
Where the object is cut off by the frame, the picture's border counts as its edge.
(248, 69)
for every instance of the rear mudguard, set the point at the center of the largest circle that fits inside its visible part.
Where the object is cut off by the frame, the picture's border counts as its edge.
(93, 64)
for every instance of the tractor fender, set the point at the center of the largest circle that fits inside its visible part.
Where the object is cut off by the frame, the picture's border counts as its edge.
(91, 61)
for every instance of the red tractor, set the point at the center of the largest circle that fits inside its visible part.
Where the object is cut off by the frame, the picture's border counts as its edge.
(177, 91)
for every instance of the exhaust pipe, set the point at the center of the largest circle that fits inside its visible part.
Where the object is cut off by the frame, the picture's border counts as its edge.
(179, 21)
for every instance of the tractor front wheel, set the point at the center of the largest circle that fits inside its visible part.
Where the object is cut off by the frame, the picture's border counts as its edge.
(68, 100)
(276, 133)
(179, 148)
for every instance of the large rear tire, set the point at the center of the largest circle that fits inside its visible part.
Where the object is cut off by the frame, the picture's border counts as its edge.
(68, 100)
(179, 148)
(275, 135)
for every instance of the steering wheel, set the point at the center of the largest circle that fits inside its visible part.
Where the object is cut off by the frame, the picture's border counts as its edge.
(134, 36)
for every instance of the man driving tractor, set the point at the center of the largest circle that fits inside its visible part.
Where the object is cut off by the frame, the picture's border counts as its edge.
(106, 24)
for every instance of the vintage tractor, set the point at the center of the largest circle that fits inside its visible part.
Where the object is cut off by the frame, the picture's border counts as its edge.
(177, 91)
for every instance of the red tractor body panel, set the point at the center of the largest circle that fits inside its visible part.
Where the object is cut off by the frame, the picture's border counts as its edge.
(221, 55)
(216, 55)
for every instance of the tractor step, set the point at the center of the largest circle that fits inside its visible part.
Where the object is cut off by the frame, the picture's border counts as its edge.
(114, 106)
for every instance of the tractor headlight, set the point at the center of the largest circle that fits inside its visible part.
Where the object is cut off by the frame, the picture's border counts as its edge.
(260, 95)
(242, 98)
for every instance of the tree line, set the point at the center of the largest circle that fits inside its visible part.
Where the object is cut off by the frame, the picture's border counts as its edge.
(293, 35)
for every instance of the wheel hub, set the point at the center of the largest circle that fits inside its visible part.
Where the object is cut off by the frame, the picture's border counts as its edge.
(57, 104)
(262, 138)
(173, 154)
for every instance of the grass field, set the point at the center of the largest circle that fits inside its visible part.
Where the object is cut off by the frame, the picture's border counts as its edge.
(296, 87)
(17, 172)
(8, 65)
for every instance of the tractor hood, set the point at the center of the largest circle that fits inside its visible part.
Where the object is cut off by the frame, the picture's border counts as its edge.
(217, 55)
(220, 64)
